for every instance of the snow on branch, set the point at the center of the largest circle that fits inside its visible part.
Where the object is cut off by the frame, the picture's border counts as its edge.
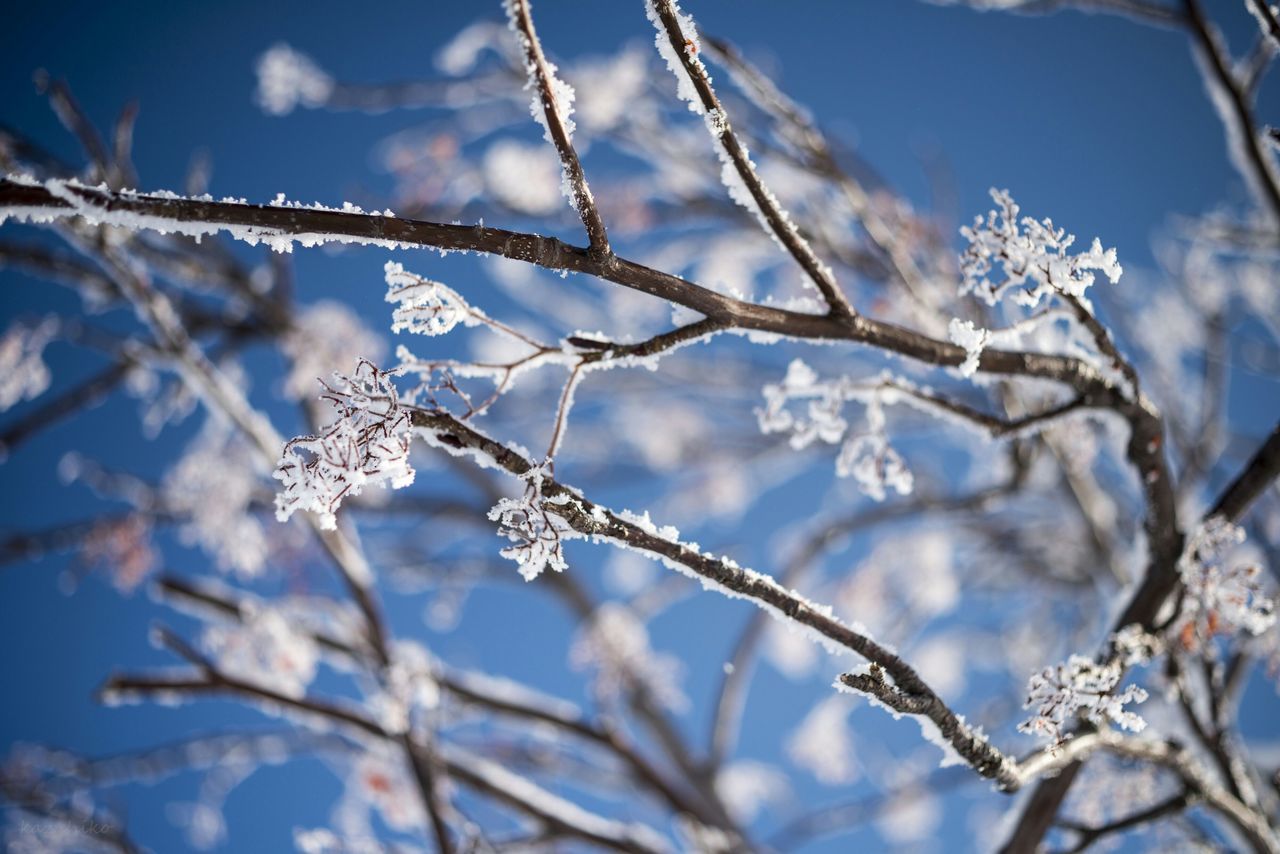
(1032, 256)
(537, 532)
(866, 455)
(552, 107)
(1223, 595)
(677, 43)
(631, 531)
(1080, 687)
(974, 339)
(278, 225)
(424, 306)
(367, 444)
(282, 225)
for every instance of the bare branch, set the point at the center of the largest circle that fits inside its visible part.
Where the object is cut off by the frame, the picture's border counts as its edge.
(1254, 479)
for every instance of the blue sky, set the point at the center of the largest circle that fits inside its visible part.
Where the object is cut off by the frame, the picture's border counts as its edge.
(1101, 123)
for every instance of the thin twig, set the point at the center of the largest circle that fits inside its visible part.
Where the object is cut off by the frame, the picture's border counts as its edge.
(556, 120)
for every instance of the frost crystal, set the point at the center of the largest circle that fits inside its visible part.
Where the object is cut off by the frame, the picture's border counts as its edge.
(973, 339)
(287, 78)
(1080, 686)
(824, 420)
(367, 444)
(423, 306)
(1033, 258)
(865, 456)
(266, 650)
(23, 373)
(1222, 596)
(871, 462)
(538, 534)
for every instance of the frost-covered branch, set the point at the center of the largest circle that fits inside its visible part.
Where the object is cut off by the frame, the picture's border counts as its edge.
(1095, 477)
(1267, 20)
(469, 769)
(495, 695)
(1250, 153)
(282, 226)
(678, 43)
(731, 698)
(552, 106)
(798, 126)
(223, 396)
(590, 520)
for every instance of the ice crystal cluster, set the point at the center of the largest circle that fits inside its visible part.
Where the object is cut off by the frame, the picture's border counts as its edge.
(974, 339)
(367, 444)
(1032, 255)
(1222, 596)
(865, 456)
(423, 306)
(1080, 686)
(536, 532)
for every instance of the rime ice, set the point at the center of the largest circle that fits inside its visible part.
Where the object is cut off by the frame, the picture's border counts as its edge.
(1082, 687)
(367, 444)
(1033, 256)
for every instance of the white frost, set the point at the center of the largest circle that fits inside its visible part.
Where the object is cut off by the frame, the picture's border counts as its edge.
(23, 373)
(367, 444)
(288, 79)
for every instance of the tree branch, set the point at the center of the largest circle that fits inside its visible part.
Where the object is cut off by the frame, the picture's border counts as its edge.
(282, 226)
(1254, 479)
(772, 215)
(599, 523)
(559, 128)
(1239, 115)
